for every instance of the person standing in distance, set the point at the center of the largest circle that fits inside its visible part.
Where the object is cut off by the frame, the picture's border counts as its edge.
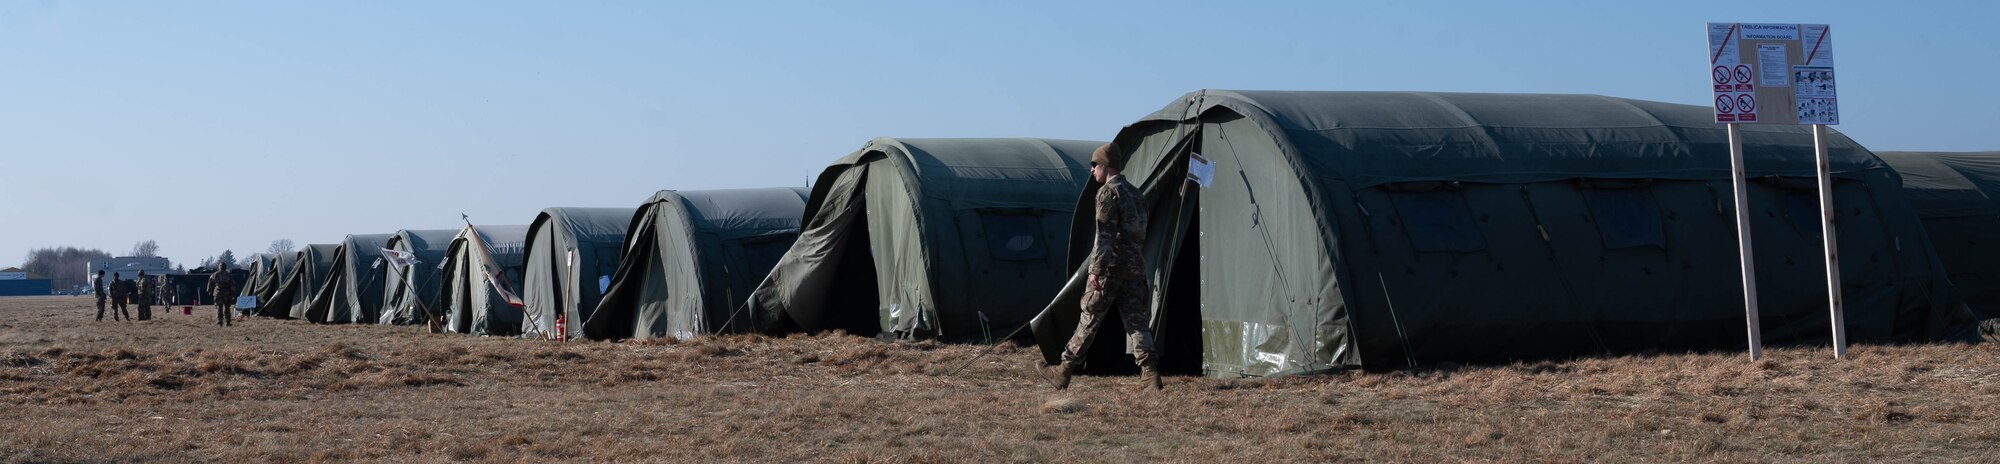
(97, 288)
(224, 291)
(121, 292)
(1117, 274)
(146, 293)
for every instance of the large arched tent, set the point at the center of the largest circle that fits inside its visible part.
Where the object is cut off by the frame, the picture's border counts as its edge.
(929, 238)
(308, 272)
(1958, 197)
(475, 303)
(1387, 229)
(352, 293)
(270, 274)
(570, 255)
(692, 257)
(260, 266)
(410, 287)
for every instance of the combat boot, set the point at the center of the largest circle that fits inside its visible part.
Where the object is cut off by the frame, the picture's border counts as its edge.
(1057, 375)
(1149, 372)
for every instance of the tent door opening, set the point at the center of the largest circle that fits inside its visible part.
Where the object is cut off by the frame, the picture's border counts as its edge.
(852, 302)
(1179, 326)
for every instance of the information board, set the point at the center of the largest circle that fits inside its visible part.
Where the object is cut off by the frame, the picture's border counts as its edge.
(1772, 73)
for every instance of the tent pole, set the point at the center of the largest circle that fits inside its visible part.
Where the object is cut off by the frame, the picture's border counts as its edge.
(1743, 250)
(1832, 244)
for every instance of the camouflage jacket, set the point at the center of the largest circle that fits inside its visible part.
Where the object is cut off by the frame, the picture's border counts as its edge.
(121, 288)
(220, 286)
(1118, 252)
(147, 288)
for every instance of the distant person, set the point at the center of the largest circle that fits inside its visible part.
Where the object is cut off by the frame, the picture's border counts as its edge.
(121, 291)
(97, 288)
(146, 293)
(1117, 274)
(224, 291)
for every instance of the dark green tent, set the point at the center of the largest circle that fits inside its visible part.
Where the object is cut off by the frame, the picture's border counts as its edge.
(309, 269)
(352, 293)
(1958, 197)
(410, 287)
(473, 302)
(929, 238)
(691, 259)
(570, 255)
(1386, 229)
(266, 271)
(259, 267)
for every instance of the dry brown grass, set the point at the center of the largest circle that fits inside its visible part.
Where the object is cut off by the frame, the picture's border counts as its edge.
(176, 389)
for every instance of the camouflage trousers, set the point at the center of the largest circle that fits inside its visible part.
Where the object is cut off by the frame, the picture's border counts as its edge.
(223, 308)
(1129, 300)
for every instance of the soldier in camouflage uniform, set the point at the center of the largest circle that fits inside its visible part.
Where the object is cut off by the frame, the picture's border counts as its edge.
(224, 291)
(145, 291)
(1117, 273)
(97, 289)
(121, 290)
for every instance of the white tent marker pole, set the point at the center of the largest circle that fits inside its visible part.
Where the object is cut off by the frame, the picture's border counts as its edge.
(1743, 241)
(1826, 215)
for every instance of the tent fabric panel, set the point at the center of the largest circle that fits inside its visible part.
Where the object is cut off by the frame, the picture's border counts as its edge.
(1937, 189)
(793, 295)
(1387, 137)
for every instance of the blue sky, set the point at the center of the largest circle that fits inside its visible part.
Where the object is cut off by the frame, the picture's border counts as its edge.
(226, 125)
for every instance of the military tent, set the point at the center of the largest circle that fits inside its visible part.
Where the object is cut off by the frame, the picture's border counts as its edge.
(352, 293)
(276, 268)
(410, 287)
(957, 239)
(570, 255)
(260, 265)
(692, 258)
(474, 303)
(1958, 197)
(309, 269)
(1379, 230)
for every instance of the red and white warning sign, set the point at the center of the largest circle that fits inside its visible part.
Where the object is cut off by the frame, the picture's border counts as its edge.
(1785, 67)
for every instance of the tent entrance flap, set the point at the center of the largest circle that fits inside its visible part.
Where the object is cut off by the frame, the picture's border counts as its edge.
(852, 303)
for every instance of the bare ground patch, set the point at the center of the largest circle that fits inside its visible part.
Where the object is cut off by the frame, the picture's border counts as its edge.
(179, 389)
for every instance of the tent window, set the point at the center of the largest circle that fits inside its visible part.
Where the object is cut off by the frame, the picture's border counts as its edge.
(1014, 236)
(1438, 221)
(1626, 218)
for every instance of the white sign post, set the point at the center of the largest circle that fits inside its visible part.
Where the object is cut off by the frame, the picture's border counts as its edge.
(1778, 74)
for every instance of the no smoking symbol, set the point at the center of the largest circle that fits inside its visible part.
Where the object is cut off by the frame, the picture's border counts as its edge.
(1746, 104)
(1742, 74)
(1721, 74)
(1724, 104)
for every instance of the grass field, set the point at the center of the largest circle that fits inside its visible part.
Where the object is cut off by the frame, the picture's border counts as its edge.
(180, 389)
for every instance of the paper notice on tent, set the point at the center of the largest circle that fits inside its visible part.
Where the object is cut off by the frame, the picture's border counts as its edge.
(1755, 71)
(1201, 170)
(246, 302)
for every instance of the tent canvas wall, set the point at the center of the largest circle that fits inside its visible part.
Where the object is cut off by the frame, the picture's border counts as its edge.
(352, 293)
(1958, 197)
(310, 267)
(276, 268)
(1385, 229)
(691, 259)
(409, 289)
(259, 270)
(473, 302)
(571, 254)
(929, 238)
